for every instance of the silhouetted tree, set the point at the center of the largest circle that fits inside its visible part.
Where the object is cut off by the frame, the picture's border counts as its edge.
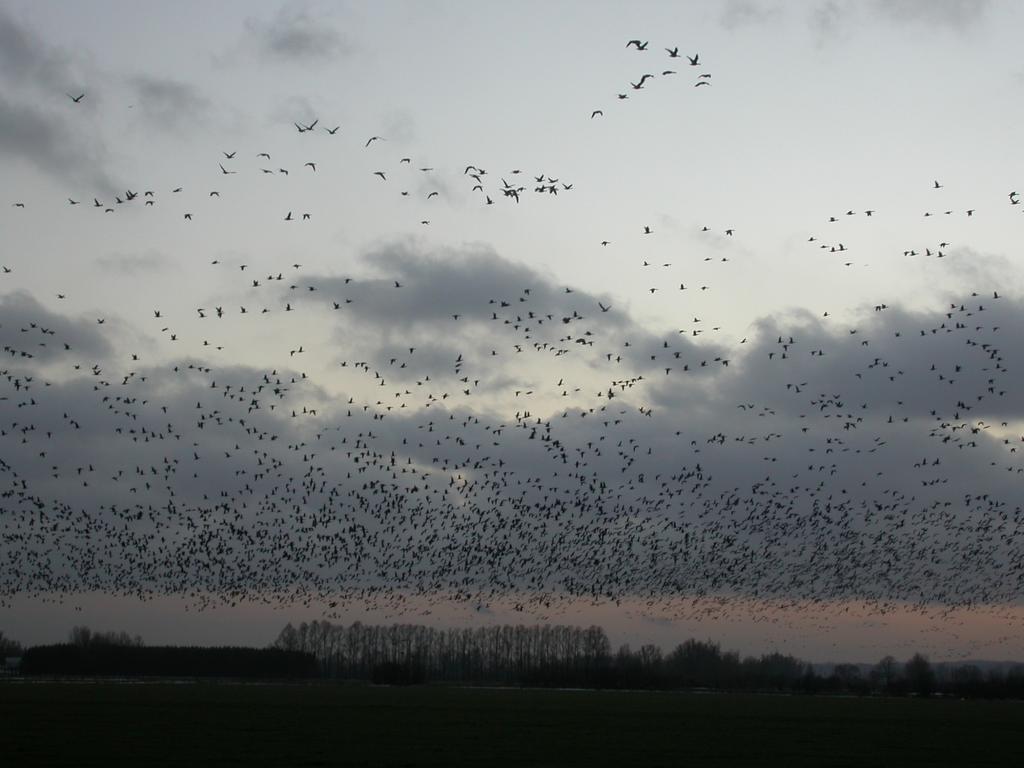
(288, 640)
(969, 681)
(8, 647)
(83, 636)
(774, 670)
(847, 677)
(80, 636)
(701, 664)
(920, 675)
(886, 672)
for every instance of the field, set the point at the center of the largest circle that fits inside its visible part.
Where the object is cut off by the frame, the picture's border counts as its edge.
(152, 724)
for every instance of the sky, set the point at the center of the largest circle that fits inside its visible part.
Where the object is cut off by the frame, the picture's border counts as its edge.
(469, 313)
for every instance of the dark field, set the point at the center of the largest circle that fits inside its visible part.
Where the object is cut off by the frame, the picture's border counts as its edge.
(79, 724)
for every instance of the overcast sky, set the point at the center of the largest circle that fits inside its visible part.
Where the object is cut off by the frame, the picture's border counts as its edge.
(711, 334)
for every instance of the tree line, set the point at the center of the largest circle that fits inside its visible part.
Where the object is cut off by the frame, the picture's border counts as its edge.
(569, 656)
(117, 654)
(520, 655)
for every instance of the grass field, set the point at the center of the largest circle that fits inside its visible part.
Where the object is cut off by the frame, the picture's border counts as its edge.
(155, 724)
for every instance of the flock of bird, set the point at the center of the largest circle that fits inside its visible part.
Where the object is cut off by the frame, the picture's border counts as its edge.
(704, 78)
(546, 451)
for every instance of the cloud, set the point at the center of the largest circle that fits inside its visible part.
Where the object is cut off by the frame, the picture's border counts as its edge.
(170, 105)
(956, 14)
(47, 138)
(462, 304)
(970, 267)
(47, 142)
(876, 446)
(737, 14)
(828, 20)
(894, 362)
(294, 34)
(26, 59)
(471, 282)
(834, 19)
(29, 331)
(134, 264)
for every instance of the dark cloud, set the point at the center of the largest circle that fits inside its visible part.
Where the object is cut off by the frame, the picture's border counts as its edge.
(418, 358)
(170, 105)
(37, 119)
(598, 475)
(25, 59)
(745, 501)
(471, 282)
(495, 316)
(48, 142)
(898, 363)
(28, 328)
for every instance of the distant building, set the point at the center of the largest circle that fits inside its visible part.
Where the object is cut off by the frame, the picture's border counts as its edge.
(12, 665)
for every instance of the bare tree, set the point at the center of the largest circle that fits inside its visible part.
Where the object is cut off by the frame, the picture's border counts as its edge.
(83, 636)
(8, 647)
(920, 674)
(886, 672)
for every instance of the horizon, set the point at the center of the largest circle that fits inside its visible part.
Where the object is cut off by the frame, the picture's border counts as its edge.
(225, 632)
(680, 319)
(70, 639)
